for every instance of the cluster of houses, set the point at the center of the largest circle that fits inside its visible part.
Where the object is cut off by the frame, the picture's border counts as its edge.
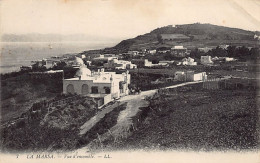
(105, 84)
(113, 61)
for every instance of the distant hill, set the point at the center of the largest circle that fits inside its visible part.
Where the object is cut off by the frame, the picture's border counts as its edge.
(200, 35)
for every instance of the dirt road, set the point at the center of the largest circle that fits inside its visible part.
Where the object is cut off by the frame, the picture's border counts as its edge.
(124, 121)
(134, 102)
(94, 120)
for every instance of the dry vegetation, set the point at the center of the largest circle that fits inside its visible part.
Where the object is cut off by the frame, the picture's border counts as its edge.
(192, 118)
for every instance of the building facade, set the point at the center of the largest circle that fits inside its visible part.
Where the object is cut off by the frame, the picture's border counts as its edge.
(119, 64)
(142, 62)
(189, 61)
(105, 85)
(190, 76)
(179, 51)
(206, 60)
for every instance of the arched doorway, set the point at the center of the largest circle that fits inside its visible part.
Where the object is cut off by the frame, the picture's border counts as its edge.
(70, 89)
(84, 89)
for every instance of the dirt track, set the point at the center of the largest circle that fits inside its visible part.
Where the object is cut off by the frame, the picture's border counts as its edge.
(124, 121)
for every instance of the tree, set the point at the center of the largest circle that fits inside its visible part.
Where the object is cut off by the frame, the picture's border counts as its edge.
(254, 54)
(242, 52)
(191, 38)
(231, 51)
(195, 53)
(219, 52)
(159, 38)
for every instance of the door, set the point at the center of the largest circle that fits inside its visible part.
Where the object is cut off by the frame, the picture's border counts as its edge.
(84, 90)
(70, 89)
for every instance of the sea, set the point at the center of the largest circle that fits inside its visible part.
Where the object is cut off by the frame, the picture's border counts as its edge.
(16, 54)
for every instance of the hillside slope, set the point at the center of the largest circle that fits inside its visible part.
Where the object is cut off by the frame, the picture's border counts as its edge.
(200, 35)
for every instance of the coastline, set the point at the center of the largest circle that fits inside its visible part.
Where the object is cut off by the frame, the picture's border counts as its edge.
(17, 54)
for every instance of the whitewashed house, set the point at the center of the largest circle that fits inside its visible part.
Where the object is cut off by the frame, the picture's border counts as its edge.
(119, 64)
(101, 85)
(190, 76)
(205, 60)
(188, 61)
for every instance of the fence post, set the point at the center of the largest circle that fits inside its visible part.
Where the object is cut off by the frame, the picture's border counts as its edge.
(100, 141)
(217, 83)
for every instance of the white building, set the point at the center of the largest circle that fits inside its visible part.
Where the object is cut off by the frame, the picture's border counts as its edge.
(188, 61)
(82, 56)
(101, 85)
(102, 59)
(206, 60)
(152, 51)
(119, 64)
(142, 62)
(179, 51)
(133, 53)
(76, 62)
(224, 46)
(228, 59)
(169, 62)
(179, 76)
(190, 76)
(204, 49)
(215, 58)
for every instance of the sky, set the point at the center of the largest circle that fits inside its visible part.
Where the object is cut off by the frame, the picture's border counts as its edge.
(122, 18)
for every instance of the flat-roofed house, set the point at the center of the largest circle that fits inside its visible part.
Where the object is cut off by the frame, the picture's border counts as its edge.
(101, 84)
(119, 64)
(190, 76)
(102, 59)
(205, 60)
(188, 61)
(179, 51)
(142, 62)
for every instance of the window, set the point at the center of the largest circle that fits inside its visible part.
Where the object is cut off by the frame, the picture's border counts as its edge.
(94, 89)
(107, 90)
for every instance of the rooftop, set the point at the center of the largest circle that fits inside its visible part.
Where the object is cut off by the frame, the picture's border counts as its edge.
(178, 47)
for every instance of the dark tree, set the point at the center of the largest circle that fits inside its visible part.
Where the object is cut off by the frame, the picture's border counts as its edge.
(231, 51)
(219, 52)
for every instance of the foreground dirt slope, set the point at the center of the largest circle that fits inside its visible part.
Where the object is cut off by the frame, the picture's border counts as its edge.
(188, 118)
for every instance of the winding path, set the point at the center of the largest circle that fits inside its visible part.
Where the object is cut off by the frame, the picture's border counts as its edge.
(124, 121)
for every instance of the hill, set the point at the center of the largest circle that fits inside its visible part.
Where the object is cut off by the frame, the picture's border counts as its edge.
(199, 35)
